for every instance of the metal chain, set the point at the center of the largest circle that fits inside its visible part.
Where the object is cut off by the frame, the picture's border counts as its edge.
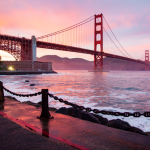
(22, 95)
(87, 109)
(104, 112)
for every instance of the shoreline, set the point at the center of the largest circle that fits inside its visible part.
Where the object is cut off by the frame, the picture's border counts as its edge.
(75, 132)
(121, 125)
(25, 72)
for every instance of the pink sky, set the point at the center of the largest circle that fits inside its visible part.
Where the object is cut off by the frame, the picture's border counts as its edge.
(129, 20)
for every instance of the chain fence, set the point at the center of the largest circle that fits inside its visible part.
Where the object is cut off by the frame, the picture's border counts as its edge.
(22, 95)
(87, 109)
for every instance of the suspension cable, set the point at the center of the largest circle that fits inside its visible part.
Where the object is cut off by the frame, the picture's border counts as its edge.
(142, 56)
(66, 29)
(115, 37)
(113, 41)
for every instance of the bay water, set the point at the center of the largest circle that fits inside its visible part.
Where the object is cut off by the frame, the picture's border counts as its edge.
(123, 91)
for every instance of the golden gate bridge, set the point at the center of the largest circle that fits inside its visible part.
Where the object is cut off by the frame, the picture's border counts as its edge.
(77, 38)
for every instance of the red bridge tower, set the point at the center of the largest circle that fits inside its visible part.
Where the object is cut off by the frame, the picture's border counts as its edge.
(146, 60)
(98, 42)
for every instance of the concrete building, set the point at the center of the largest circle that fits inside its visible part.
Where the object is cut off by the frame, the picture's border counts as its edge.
(28, 65)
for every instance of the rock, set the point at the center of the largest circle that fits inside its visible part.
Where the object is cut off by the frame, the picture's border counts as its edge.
(52, 109)
(27, 81)
(37, 105)
(29, 103)
(119, 124)
(78, 114)
(137, 130)
(103, 121)
(11, 98)
(148, 133)
(115, 123)
(63, 110)
(89, 117)
(40, 103)
(32, 84)
(74, 112)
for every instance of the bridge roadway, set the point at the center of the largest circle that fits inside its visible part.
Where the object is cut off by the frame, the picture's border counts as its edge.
(55, 46)
(7, 46)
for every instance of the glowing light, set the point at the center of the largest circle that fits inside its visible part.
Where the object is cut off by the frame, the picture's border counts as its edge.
(10, 68)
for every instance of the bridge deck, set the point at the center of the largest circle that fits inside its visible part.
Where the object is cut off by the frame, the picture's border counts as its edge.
(54, 46)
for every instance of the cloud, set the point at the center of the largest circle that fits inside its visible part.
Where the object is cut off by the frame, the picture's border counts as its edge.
(40, 17)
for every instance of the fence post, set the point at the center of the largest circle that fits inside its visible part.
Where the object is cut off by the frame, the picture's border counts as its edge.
(45, 112)
(1, 92)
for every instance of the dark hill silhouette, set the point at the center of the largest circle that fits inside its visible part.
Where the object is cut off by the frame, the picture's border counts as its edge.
(59, 63)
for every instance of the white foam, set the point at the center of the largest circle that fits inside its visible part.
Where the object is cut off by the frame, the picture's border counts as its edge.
(74, 90)
(91, 95)
(138, 92)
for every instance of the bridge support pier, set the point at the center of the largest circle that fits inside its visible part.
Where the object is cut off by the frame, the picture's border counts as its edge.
(98, 62)
(98, 42)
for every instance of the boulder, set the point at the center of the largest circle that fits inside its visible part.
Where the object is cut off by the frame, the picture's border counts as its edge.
(28, 102)
(32, 84)
(40, 103)
(52, 108)
(115, 123)
(137, 130)
(62, 110)
(78, 114)
(102, 120)
(11, 98)
(89, 117)
(119, 124)
(27, 81)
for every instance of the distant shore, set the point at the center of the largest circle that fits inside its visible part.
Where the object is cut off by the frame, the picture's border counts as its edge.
(24, 72)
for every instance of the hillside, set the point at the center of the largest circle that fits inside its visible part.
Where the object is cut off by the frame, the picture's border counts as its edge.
(59, 63)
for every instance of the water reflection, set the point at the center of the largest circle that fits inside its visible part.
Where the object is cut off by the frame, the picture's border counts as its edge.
(45, 127)
(1, 106)
(116, 89)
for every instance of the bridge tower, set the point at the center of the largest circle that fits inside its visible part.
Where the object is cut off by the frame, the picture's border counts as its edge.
(146, 60)
(98, 42)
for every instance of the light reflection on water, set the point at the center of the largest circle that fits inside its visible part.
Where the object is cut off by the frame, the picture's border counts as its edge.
(121, 89)
(114, 90)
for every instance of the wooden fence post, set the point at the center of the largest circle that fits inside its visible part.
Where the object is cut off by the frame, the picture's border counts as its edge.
(1, 92)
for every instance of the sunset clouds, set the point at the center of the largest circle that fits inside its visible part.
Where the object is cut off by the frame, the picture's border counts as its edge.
(129, 20)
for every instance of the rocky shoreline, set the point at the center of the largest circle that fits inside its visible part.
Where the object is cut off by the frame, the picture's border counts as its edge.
(74, 112)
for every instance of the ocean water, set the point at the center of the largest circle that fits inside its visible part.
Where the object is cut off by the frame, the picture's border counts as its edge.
(123, 91)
